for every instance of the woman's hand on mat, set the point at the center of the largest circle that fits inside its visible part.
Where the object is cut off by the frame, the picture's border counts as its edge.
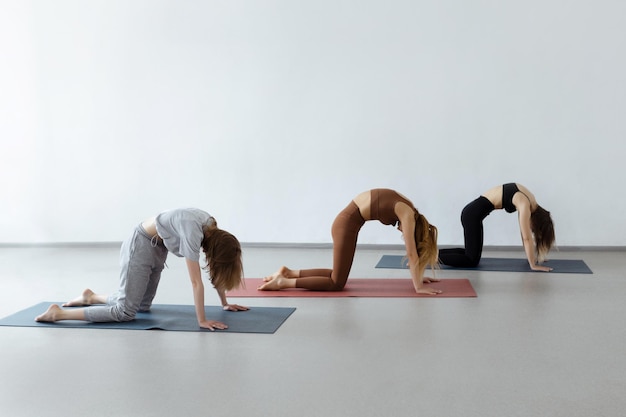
(235, 307)
(541, 268)
(212, 325)
(428, 280)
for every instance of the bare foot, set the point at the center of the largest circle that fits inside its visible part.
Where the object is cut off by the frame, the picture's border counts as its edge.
(282, 272)
(277, 284)
(274, 276)
(50, 315)
(85, 299)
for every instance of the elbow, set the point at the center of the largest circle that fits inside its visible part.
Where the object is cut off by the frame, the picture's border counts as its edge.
(414, 260)
(197, 285)
(527, 239)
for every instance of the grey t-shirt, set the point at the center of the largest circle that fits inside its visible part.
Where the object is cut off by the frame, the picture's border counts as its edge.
(181, 231)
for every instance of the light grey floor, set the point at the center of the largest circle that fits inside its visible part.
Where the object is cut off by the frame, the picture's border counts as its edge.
(528, 345)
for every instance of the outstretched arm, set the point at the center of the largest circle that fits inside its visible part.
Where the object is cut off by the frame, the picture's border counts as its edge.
(195, 274)
(528, 241)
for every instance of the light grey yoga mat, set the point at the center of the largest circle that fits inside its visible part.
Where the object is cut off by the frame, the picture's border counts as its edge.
(563, 266)
(168, 317)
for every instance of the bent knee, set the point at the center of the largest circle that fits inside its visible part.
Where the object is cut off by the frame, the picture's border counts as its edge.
(121, 314)
(335, 286)
(473, 263)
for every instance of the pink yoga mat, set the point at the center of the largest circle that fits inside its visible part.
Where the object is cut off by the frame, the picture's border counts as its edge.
(364, 287)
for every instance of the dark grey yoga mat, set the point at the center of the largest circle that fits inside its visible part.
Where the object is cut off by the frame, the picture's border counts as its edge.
(563, 266)
(168, 317)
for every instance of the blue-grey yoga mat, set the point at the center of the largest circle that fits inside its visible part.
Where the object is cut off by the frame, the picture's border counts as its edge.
(563, 266)
(168, 317)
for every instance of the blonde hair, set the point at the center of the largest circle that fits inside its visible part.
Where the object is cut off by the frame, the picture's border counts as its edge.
(426, 242)
(223, 256)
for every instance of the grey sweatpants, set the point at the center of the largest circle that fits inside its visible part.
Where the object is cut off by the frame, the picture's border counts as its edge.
(142, 261)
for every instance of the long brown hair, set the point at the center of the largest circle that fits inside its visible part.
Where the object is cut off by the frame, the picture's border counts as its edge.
(223, 256)
(543, 230)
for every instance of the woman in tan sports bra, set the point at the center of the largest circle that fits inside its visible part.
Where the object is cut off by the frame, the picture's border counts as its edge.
(390, 208)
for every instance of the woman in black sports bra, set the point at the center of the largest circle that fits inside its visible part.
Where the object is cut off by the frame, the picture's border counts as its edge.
(535, 225)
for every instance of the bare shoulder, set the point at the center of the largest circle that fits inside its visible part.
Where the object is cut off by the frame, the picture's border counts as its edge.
(404, 211)
(526, 191)
(524, 198)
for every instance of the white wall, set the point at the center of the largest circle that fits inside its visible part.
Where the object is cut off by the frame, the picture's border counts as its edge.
(272, 115)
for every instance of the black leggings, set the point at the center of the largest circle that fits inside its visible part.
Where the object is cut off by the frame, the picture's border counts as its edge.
(472, 218)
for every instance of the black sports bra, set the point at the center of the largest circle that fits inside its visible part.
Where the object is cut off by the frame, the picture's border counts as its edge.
(508, 191)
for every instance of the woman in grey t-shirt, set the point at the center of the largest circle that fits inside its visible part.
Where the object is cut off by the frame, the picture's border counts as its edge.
(184, 232)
